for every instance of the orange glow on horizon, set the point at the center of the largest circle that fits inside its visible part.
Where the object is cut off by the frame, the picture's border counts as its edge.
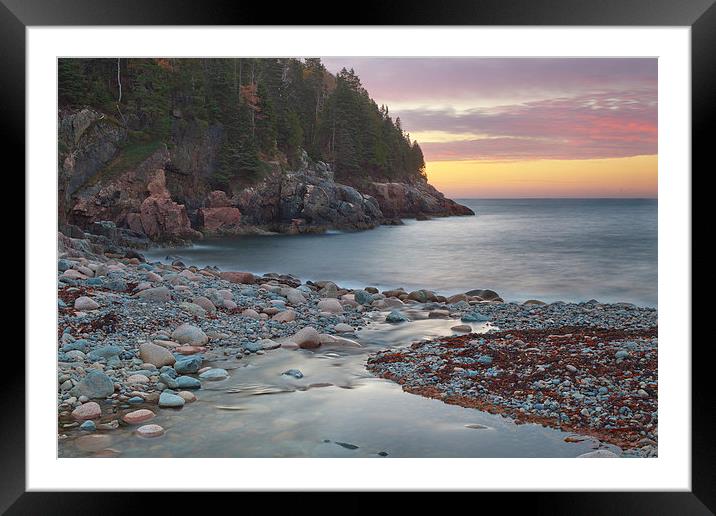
(635, 176)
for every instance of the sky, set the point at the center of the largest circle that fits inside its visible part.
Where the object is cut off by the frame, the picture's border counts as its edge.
(524, 127)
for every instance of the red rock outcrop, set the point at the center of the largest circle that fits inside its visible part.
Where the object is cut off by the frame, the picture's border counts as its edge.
(219, 216)
(161, 218)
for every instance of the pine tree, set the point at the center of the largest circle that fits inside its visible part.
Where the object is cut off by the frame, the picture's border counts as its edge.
(69, 81)
(266, 109)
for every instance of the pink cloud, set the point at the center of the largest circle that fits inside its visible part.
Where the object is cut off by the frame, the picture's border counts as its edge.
(393, 79)
(600, 125)
(567, 108)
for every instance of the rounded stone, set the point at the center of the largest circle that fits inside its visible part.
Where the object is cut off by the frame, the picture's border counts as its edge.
(150, 431)
(187, 396)
(156, 355)
(96, 385)
(188, 382)
(330, 305)
(205, 303)
(89, 410)
(190, 334)
(86, 303)
(214, 374)
(307, 338)
(137, 379)
(167, 399)
(156, 295)
(138, 416)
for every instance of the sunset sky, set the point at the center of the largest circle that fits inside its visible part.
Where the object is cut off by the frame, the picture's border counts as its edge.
(527, 127)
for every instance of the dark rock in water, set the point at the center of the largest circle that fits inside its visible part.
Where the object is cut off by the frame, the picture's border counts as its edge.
(486, 294)
(347, 445)
(293, 372)
(396, 316)
(422, 216)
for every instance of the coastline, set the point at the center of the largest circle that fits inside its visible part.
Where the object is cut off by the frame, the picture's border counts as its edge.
(136, 336)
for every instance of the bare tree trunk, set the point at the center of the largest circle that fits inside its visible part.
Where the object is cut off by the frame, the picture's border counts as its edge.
(253, 121)
(119, 83)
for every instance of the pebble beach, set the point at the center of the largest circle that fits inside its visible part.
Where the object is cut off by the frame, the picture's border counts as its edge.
(139, 340)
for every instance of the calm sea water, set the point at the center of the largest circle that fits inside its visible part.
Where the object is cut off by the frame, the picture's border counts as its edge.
(548, 249)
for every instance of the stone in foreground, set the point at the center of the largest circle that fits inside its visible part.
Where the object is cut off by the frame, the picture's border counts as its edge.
(138, 416)
(155, 355)
(307, 338)
(85, 303)
(150, 431)
(214, 374)
(190, 334)
(167, 399)
(96, 385)
(90, 410)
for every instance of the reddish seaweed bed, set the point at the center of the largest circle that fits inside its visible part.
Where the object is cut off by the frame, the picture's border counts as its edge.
(597, 382)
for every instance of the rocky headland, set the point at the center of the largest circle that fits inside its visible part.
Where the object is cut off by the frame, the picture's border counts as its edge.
(161, 192)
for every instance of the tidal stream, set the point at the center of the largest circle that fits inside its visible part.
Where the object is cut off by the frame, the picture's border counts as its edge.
(338, 409)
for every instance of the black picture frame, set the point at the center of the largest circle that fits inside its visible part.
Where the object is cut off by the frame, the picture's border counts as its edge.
(700, 15)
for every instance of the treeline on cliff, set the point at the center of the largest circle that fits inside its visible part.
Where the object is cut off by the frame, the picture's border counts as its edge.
(270, 110)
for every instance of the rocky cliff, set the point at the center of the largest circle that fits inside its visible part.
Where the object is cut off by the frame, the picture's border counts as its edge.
(161, 189)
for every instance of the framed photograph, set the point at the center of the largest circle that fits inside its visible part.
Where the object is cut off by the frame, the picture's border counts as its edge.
(439, 248)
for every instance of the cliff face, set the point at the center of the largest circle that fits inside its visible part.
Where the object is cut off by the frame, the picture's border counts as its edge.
(414, 199)
(307, 200)
(161, 189)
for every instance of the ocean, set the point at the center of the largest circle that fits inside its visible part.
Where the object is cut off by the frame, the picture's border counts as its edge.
(548, 249)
